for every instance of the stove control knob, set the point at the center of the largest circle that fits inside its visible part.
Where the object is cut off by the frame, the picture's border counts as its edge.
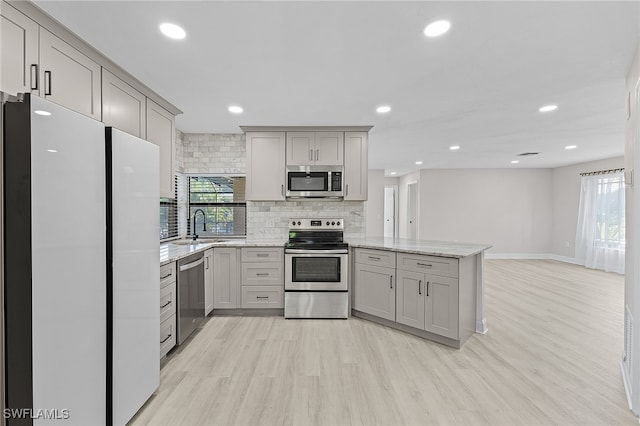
(327, 223)
(338, 223)
(333, 223)
(293, 223)
(298, 223)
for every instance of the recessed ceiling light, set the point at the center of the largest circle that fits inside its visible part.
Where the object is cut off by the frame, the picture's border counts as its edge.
(548, 108)
(172, 31)
(383, 109)
(40, 112)
(454, 147)
(570, 147)
(437, 28)
(235, 109)
(418, 162)
(392, 173)
(52, 150)
(514, 161)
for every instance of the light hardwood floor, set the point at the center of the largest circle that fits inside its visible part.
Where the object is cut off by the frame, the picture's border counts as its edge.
(551, 356)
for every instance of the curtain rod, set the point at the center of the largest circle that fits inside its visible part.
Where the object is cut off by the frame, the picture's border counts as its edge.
(602, 172)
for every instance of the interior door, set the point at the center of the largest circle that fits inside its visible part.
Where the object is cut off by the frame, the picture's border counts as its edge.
(412, 211)
(389, 212)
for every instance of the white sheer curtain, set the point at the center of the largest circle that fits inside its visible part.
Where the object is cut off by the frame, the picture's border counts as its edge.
(600, 235)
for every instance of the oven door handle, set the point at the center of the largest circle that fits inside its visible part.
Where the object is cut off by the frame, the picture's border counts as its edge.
(318, 252)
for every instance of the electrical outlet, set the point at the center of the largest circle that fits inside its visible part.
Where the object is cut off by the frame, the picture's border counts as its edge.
(567, 244)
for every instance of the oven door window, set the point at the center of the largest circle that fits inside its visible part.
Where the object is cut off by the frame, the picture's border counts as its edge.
(305, 182)
(316, 269)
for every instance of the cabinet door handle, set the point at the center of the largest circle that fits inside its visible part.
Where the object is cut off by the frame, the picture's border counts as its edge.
(374, 258)
(262, 255)
(34, 76)
(47, 83)
(206, 263)
(427, 288)
(426, 265)
(165, 305)
(310, 155)
(419, 286)
(168, 337)
(317, 154)
(262, 274)
(166, 276)
(390, 281)
(346, 190)
(282, 190)
(262, 297)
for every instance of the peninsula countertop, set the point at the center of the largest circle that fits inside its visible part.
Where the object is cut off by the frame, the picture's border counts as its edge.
(433, 248)
(173, 250)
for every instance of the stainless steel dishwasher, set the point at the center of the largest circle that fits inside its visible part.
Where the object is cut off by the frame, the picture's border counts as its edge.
(190, 295)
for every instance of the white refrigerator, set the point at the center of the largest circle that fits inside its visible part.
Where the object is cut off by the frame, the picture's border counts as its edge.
(73, 230)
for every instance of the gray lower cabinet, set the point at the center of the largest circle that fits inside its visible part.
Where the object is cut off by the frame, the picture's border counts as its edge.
(225, 278)
(410, 293)
(262, 277)
(167, 308)
(208, 281)
(374, 291)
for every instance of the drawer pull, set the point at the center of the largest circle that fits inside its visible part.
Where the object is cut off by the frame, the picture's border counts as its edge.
(262, 297)
(165, 305)
(34, 76)
(390, 281)
(168, 337)
(262, 274)
(426, 265)
(373, 258)
(262, 255)
(419, 286)
(427, 288)
(166, 276)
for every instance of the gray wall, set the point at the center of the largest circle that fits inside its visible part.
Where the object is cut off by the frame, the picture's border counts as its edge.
(374, 206)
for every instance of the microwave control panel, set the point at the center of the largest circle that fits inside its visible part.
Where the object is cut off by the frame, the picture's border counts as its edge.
(336, 181)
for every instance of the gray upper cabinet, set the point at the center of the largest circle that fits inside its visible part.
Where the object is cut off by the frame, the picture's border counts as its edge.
(68, 77)
(19, 47)
(161, 130)
(265, 166)
(356, 166)
(123, 107)
(315, 148)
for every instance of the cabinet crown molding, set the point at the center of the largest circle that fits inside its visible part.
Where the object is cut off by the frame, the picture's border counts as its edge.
(305, 128)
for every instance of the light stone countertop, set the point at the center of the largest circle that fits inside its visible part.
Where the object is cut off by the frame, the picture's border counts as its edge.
(433, 248)
(170, 252)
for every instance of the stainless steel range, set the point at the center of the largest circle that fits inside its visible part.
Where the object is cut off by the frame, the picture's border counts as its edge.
(316, 269)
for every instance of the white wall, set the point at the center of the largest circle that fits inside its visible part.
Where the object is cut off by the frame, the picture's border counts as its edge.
(565, 183)
(509, 209)
(374, 206)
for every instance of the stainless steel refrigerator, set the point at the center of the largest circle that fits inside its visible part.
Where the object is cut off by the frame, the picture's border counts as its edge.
(81, 268)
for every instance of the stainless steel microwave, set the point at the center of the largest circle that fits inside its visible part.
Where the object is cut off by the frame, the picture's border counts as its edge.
(315, 182)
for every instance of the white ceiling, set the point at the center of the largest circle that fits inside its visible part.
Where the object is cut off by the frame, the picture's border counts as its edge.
(332, 63)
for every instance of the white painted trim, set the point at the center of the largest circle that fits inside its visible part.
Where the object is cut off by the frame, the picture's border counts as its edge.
(534, 256)
(626, 380)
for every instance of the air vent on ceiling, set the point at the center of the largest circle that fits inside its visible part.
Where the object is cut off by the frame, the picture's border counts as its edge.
(524, 154)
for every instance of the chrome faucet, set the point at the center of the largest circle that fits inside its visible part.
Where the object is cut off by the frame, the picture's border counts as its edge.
(204, 223)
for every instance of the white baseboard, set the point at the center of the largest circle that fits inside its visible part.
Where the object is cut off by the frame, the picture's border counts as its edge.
(534, 256)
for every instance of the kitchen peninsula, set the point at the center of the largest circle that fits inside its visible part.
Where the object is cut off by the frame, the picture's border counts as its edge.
(432, 289)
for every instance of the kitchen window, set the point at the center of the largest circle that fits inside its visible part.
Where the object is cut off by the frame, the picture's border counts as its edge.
(169, 215)
(222, 199)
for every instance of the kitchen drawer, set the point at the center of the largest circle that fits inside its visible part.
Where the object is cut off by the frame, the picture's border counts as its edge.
(167, 301)
(167, 274)
(443, 266)
(167, 335)
(262, 273)
(376, 257)
(262, 254)
(262, 296)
